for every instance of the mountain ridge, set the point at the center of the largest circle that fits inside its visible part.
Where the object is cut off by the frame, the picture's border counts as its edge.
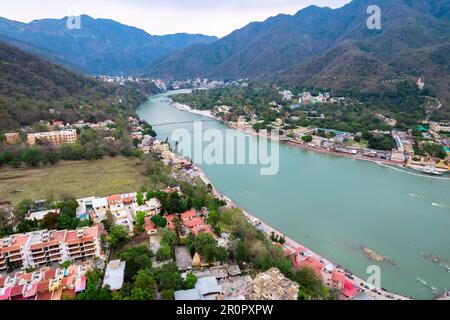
(101, 46)
(281, 47)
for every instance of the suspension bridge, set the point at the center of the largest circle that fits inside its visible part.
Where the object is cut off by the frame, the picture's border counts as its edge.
(181, 122)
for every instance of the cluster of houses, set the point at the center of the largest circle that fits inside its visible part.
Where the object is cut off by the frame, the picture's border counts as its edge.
(58, 133)
(46, 283)
(227, 283)
(123, 209)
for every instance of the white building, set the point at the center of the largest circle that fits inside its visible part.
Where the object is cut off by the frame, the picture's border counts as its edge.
(100, 207)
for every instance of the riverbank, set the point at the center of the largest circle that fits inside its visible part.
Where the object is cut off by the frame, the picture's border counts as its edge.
(292, 245)
(333, 206)
(304, 146)
(184, 107)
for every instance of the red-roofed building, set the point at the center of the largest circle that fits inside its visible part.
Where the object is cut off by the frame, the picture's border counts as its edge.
(314, 264)
(202, 228)
(337, 280)
(170, 225)
(195, 222)
(188, 215)
(5, 293)
(149, 226)
(43, 286)
(29, 291)
(12, 250)
(350, 289)
(58, 123)
(16, 292)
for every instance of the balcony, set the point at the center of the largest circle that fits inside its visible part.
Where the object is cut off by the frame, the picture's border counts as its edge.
(38, 255)
(15, 258)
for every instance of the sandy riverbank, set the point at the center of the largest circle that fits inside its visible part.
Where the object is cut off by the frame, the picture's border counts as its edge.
(184, 107)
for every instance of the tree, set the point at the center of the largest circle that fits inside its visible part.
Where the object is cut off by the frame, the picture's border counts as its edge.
(169, 239)
(140, 198)
(213, 218)
(118, 236)
(176, 203)
(159, 221)
(307, 138)
(68, 206)
(50, 221)
(168, 294)
(190, 281)
(67, 222)
(24, 225)
(168, 277)
(202, 241)
(242, 252)
(209, 252)
(140, 220)
(137, 258)
(311, 286)
(31, 156)
(178, 226)
(94, 291)
(164, 253)
(144, 287)
(221, 254)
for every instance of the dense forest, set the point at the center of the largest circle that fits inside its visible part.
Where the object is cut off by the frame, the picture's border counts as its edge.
(33, 89)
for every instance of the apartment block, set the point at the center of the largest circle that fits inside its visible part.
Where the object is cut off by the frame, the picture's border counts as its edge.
(55, 138)
(12, 138)
(40, 248)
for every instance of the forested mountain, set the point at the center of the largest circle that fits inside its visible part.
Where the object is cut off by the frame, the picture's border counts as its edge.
(330, 48)
(100, 46)
(33, 89)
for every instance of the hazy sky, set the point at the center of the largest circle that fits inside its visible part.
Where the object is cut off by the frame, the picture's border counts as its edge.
(212, 17)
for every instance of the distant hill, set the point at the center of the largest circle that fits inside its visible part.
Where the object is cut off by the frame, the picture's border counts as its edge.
(33, 89)
(329, 48)
(101, 46)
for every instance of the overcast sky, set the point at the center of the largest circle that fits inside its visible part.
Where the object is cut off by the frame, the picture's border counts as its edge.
(212, 17)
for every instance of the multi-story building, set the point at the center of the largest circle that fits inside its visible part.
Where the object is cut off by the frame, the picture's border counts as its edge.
(440, 127)
(55, 138)
(100, 207)
(12, 138)
(13, 251)
(82, 243)
(40, 248)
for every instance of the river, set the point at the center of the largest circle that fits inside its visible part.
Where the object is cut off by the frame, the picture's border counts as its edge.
(335, 206)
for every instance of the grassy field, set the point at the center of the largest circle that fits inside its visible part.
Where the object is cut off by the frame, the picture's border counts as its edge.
(78, 178)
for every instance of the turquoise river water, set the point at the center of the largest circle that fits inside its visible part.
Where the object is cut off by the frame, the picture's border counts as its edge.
(335, 206)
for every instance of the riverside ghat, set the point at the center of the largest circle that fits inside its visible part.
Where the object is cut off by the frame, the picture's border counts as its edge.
(336, 206)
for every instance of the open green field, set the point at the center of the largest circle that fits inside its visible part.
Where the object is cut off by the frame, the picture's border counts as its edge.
(78, 178)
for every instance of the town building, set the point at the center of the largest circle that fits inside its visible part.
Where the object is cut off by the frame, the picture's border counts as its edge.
(45, 283)
(39, 248)
(12, 138)
(397, 156)
(114, 274)
(273, 285)
(440, 126)
(149, 226)
(55, 138)
(100, 207)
